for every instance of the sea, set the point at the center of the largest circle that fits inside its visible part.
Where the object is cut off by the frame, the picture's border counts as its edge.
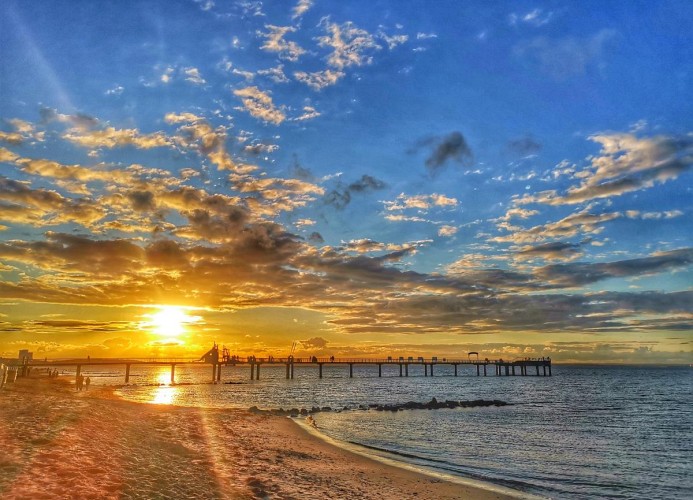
(584, 432)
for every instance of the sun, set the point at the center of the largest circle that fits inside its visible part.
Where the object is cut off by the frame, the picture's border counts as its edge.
(170, 321)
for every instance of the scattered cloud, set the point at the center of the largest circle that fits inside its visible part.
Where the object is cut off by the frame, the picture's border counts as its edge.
(550, 251)
(627, 163)
(535, 17)
(443, 149)
(351, 46)
(319, 79)
(275, 42)
(192, 75)
(301, 8)
(447, 231)
(259, 104)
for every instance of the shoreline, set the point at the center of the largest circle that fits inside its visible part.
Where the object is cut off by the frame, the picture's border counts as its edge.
(60, 443)
(363, 451)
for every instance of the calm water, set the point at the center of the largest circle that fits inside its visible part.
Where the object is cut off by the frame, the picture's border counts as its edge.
(589, 431)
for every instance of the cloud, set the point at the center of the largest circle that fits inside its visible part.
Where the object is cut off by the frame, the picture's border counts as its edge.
(579, 274)
(21, 204)
(366, 183)
(450, 147)
(259, 104)
(11, 138)
(116, 90)
(447, 231)
(627, 163)
(338, 199)
(550, 251)
(205, 5)
(580, 223)
(319, 79)
(394, 40)
(275, 42)
(536, 18)
(314, 343)
(316, 237)
(309, 113)
(420, 201)
(276, 74)
(110, 137)
(350, 45)
(79, 120)
(341, 197)
(301, 8)
(564, 57)
(193, 76)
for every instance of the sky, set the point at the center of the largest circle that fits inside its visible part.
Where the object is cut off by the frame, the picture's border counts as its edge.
(364, 178)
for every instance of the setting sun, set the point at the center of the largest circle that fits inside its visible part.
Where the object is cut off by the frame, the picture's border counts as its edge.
(169, 321)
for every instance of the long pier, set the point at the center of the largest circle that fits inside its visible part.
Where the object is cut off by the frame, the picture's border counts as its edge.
(521, 367)
(500, 367)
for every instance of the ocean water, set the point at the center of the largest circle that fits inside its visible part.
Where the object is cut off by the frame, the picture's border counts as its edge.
(585, 432)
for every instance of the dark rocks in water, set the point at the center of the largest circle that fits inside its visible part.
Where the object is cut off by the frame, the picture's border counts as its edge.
(433, 404)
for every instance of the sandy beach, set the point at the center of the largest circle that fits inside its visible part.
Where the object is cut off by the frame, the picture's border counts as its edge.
(57, 443)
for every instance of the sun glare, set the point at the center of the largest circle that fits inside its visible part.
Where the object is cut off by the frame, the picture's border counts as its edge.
(169, 321)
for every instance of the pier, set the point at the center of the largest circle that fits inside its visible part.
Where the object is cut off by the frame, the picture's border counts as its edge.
(499, 367)
(216, 360)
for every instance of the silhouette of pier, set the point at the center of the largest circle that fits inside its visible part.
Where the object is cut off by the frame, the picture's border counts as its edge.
(521, 367)
(213, 357)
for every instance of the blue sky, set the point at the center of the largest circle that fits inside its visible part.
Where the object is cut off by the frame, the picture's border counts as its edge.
(509, 177)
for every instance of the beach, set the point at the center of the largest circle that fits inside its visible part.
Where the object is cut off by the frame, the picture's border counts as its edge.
(59, 443)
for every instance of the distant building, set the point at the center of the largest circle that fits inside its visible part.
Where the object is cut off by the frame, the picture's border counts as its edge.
(25, 356)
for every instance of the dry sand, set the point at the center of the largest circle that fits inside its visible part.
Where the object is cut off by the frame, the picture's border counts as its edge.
(56, 443)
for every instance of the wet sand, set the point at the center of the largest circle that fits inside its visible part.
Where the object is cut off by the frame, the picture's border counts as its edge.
(57, 443)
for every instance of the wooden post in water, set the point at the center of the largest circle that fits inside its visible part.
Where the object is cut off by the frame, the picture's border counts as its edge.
(287, 371)
(406, 370)
(252, 371)
(507, 370)
(425, 370)
(455, 369)
(173, 373)
(549, 369)
(218, 372)
(513, 370)
(400, 369)
(214, 372)
(537, 370)
(380, 370)
(320, 369)
(351, 370)
(431, 369)
(477, 370)
(257, 372)
(127, 373)
(292, 369)
(484, 370)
